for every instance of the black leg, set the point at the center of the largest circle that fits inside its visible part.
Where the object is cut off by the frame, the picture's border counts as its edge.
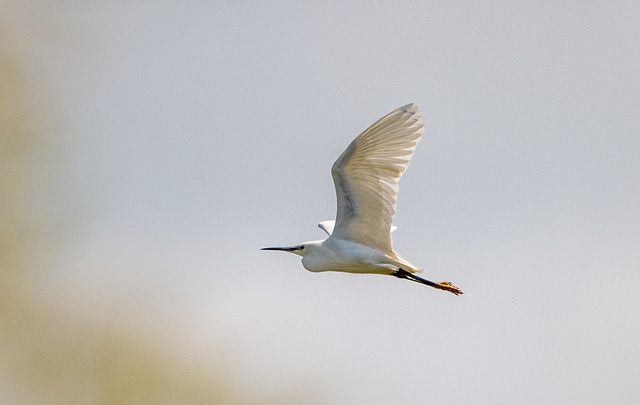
(440, 286)
(410, 276)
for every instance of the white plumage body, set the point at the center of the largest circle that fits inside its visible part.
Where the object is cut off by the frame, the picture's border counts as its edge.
(334, 254)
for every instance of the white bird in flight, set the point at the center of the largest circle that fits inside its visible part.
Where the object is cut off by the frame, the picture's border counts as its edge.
(366, 178)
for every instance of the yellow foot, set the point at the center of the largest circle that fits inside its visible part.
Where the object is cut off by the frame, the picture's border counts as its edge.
(447, 286)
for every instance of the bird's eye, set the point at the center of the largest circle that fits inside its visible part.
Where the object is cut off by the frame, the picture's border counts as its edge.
(301, 247)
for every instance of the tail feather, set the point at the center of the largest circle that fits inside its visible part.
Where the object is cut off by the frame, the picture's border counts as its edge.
(403, 264)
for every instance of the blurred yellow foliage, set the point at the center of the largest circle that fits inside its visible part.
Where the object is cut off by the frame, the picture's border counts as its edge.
(48, 355)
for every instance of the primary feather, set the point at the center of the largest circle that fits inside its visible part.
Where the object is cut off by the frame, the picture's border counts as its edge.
(366, 178)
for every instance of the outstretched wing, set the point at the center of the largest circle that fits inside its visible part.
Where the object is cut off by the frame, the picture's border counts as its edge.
(327, 226)
(366, 178)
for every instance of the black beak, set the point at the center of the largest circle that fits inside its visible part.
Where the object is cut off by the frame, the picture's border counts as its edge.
(284, 249)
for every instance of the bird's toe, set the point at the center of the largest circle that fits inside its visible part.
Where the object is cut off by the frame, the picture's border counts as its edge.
(447, 286)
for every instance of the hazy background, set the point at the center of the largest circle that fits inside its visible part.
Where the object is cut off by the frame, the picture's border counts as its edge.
(149, 149)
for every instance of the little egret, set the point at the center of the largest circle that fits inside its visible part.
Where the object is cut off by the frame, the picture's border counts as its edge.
(366, 179)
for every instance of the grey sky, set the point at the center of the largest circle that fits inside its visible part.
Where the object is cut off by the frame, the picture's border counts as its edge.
(193, 135)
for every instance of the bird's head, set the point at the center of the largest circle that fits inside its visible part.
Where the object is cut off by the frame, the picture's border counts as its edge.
(300, 249)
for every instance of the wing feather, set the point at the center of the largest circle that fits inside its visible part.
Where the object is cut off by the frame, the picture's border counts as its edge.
(366, 178)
